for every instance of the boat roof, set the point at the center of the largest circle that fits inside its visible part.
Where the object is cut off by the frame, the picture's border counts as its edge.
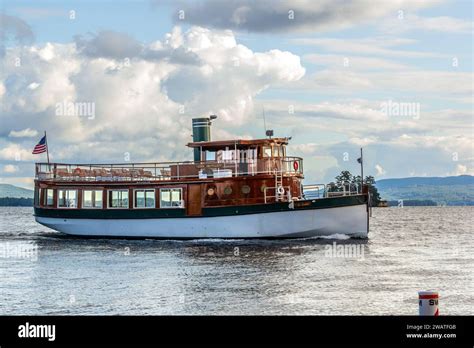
(239, 143)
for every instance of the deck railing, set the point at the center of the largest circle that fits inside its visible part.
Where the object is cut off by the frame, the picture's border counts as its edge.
(315, 191)
(287, 166)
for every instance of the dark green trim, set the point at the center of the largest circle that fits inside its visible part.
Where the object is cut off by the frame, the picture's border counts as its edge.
(324, 203)
(110, 213)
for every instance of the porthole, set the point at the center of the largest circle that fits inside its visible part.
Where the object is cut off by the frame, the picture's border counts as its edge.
(245, 189)
(228, 190)
(210, 191)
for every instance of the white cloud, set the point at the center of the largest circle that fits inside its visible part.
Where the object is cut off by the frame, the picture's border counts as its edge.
(379, 170)
(24, 133)
(10, 168)
(15, 152)
(33, 85)
(143, 105)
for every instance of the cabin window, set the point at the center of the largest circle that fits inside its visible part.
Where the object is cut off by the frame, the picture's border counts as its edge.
(67, 198)
(171, 198)
(267, 151)
(144, 198)
(118, 199)
(48, 199)
(92, 199)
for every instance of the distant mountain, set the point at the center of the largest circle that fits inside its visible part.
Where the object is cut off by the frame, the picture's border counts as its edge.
(7, 190)
(451, 190)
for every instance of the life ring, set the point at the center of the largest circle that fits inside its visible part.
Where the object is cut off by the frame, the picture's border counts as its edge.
(295, 165)
(280, 190)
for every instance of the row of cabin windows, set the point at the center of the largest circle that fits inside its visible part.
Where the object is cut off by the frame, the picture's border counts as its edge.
(117, 199)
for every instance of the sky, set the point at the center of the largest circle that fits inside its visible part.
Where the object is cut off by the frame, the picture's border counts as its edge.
(117, 81)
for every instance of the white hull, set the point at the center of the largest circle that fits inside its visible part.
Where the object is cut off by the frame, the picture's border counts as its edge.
(349, 220)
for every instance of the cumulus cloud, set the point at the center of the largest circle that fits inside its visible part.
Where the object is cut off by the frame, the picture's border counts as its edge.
(143, 105)
(289, 15)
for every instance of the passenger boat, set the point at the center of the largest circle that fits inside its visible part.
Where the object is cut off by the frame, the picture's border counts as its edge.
(232, 189)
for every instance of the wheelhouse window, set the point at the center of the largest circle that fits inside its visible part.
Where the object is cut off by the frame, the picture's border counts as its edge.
(118, 199)
(49, 197)
(144, 198)
(92, 199)
(171, 198)
(267, 151)
(67, 198)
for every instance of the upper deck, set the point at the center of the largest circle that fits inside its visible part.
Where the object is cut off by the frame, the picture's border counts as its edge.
(226, 166)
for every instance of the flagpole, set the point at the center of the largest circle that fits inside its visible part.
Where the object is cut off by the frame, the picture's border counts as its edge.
(47, 149)
(361, 168)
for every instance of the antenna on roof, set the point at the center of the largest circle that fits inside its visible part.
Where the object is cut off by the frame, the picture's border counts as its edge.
(264, 121)
(268, 132)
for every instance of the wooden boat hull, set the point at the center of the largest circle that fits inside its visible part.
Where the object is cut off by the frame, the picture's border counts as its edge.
(305, 219)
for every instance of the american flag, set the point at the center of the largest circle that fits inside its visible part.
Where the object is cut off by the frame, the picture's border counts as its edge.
(40, 147)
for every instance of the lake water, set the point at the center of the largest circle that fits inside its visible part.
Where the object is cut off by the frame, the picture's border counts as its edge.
(409, 249)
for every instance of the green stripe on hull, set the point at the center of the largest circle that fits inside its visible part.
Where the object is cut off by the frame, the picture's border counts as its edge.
(324, 203)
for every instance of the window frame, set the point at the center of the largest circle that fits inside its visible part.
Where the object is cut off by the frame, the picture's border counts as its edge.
(264, 151)
(144, 190)
(181, 201)
(67, 198)
(109, 201)
(93, 199)
(44, 201)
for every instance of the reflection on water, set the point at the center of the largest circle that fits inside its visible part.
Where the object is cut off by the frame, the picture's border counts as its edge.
(408, 250)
